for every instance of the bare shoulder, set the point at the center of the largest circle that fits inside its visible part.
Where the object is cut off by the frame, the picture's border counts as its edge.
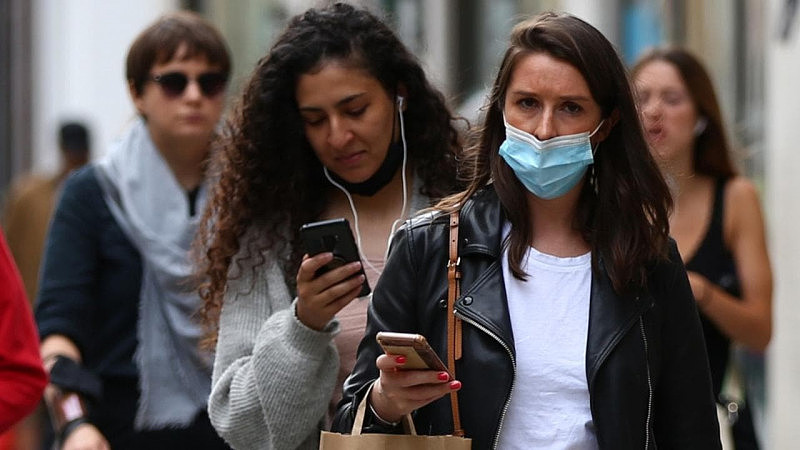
(740, 188)
(742, 208)
(742, 197)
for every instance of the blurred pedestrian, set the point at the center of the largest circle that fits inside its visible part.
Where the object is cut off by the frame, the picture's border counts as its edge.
(26, 216)
(577, 323)
(717, 220)
(22, 378)
(115, 308)
(31, 200)
(337, 120)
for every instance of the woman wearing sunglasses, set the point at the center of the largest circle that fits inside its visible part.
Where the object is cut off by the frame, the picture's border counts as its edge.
(115, 310)
(338, 120)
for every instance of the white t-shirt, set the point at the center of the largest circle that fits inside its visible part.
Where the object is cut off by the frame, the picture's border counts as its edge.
(549, 405)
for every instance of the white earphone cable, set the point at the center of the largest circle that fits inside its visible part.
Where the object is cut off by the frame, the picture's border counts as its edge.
(403, 175)
(405, 195)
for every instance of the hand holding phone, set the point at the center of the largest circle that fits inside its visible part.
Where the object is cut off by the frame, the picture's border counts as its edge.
(398, 392)
(333, 236)
(418, 353)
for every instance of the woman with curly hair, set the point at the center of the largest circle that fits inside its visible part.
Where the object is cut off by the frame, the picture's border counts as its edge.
(337, 120)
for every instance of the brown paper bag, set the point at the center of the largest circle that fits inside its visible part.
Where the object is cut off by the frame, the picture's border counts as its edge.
(373, 441)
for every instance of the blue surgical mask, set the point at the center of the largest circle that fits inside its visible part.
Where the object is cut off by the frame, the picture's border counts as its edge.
(549, 169)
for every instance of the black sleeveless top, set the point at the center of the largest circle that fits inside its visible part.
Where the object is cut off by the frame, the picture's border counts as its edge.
(714, 261)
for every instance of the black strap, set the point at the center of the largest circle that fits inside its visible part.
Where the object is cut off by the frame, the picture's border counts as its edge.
(68, 375)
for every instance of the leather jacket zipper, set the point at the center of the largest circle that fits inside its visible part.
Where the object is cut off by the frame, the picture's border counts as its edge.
(626, 327)
(649, 388)
(513, 365)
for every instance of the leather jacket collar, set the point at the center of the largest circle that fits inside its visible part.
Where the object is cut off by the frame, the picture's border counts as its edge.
(480, 232)
(646, 367)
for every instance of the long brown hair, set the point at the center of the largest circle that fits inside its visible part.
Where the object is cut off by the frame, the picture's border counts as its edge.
(712, 153)
(623, 212)
(267, 175)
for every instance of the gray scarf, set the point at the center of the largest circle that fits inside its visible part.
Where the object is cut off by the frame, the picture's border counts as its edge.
(152, 209)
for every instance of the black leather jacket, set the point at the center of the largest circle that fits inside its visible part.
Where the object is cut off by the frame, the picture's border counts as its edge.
(646, 363)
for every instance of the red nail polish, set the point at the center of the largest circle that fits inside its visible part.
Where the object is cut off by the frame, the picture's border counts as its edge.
(455, 385)
(400, 359)
(443, 376)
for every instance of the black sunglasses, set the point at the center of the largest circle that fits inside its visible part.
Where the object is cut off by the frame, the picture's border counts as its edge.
(174, 83)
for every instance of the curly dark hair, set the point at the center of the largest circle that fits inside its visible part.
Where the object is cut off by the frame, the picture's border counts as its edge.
(267, 174)
(623, 213)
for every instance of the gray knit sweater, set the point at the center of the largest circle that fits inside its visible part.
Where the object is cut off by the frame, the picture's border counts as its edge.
(273, 376)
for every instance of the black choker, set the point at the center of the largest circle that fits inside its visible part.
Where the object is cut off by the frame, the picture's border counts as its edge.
(382, 177)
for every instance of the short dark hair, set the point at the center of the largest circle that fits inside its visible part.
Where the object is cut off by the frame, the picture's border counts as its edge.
(159, 43)
(73, 137)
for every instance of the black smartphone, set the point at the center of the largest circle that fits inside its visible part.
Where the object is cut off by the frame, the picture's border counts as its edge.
(333, 236)
(418, 353)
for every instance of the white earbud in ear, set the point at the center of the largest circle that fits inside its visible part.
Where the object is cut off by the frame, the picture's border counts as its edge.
(400, 101)
(700, 126)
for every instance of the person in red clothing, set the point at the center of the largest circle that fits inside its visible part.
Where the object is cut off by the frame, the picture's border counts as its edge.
(22, 377)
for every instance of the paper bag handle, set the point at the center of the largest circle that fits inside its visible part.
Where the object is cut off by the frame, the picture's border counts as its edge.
(358, 423)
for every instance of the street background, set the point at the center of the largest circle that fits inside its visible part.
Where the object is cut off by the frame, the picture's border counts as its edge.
(64, 60)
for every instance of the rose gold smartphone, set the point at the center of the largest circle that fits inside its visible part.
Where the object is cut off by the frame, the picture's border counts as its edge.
(418, 353)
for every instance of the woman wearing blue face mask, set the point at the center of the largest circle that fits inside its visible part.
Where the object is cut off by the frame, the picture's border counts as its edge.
(578, 326)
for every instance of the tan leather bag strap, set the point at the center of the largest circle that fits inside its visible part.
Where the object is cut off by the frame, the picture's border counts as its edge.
(453, 322)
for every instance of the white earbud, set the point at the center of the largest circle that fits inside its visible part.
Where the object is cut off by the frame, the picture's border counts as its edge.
(700, 125)
(400, 101)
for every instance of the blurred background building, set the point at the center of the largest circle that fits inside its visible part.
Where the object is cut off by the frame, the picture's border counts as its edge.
(63, 59)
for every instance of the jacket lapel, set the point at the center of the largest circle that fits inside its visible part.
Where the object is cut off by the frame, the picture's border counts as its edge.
(480, 232)
(610, 317)
(480, 305)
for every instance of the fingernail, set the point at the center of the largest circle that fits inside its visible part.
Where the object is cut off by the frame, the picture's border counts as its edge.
(400, 359)
(443, 376)
(455, 385)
